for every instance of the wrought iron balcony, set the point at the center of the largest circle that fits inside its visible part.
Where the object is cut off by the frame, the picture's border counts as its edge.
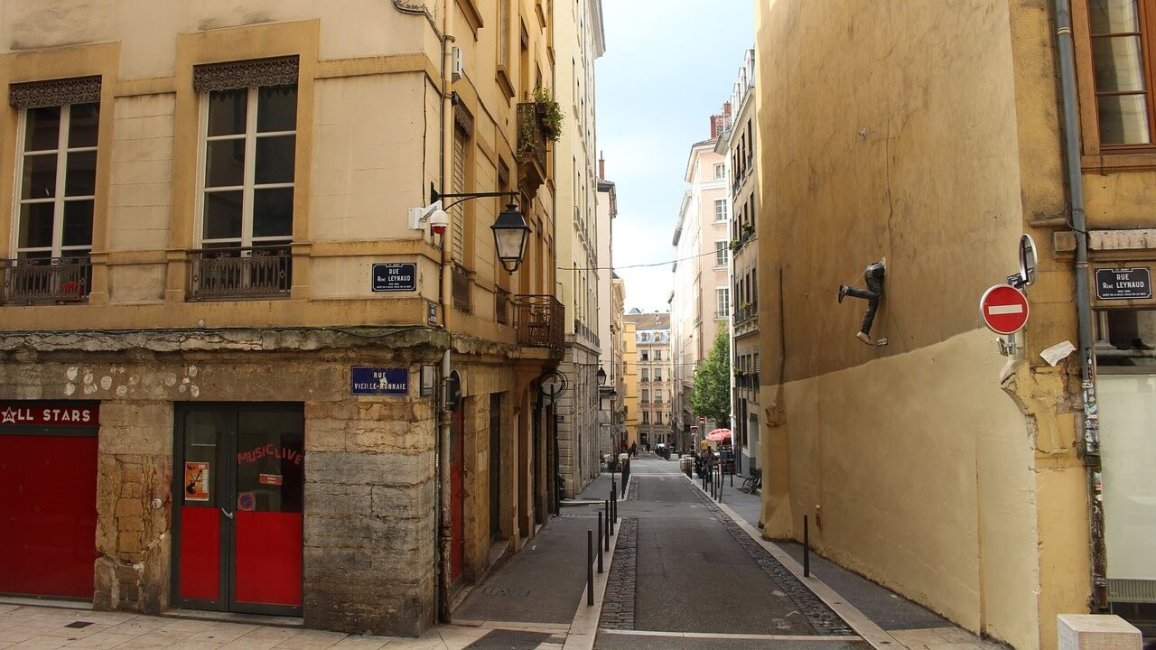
(540, 323)
(238, 273)
(49, 280)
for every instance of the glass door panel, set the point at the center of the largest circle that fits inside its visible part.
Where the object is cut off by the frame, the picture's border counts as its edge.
(201, 483)
(270, 485)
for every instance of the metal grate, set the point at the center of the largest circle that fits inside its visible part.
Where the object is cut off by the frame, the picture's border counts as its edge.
(1132, 591)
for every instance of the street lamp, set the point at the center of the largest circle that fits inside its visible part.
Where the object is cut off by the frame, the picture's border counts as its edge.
(510, 235)
(601, 376)
(510, 229)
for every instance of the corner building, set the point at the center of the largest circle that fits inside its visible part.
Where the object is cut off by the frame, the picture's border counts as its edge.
(236, 374)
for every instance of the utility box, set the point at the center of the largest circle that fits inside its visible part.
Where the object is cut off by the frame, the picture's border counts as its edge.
(1097, 632)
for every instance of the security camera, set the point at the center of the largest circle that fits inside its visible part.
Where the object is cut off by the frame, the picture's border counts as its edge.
(438, 222)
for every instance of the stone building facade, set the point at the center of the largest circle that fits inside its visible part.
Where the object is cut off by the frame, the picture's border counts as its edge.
(226, 313)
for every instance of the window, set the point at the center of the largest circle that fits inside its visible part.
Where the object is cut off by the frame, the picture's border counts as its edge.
(720, 170)
(720, 209)
(723, 298)
(1121, 33)
(56, 189)
(645, 355)
(645, 416)
(658, 395)
(246, 185)
(658, 355)
(658, 374)
(645, 396)
(720, 252)
(645, 375)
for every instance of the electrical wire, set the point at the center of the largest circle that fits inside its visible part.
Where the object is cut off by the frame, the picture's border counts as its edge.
(636, 266)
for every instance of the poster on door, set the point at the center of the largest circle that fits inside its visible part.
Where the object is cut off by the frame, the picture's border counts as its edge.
(196, 482)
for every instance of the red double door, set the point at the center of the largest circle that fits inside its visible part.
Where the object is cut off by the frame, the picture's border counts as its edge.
(239, 487)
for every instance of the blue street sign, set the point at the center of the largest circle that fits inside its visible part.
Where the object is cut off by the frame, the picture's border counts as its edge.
(379, 381)
(394, 277)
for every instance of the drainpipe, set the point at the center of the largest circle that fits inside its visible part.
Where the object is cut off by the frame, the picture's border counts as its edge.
(445, 525)
(1079, 227)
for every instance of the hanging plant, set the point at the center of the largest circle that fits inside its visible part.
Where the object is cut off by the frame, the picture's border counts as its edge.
(549, 114)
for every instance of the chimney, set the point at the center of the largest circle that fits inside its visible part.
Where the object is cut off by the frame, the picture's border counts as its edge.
(601, 165)
(727, 109)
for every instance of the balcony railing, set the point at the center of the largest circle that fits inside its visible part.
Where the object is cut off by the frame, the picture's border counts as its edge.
(46, 280)
(540, 322)
(236, 273)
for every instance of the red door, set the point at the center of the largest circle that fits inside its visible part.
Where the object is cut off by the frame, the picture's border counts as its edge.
(240, 487)
(48, 509)
(457, 494)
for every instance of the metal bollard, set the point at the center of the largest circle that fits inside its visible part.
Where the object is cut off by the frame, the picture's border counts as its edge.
(589, 567)
(806, 549)
(606, 509)
(600, 542)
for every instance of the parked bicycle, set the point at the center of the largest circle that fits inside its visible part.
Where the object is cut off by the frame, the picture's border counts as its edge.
(752, 482)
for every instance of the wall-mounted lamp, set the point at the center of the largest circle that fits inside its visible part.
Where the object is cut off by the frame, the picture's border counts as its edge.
(601, 376)
(874, 277)
(511, 232)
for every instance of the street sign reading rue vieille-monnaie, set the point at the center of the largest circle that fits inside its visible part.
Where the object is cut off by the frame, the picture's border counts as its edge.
(1004, 309)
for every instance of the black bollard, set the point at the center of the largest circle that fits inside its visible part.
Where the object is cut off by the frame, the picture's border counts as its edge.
(606, 509)
(589, 567)
(806, 549)
(600, 542)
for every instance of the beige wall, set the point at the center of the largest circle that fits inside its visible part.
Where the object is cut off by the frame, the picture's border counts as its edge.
(883, 135)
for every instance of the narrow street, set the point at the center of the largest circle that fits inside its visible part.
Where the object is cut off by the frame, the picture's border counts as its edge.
(685, 576)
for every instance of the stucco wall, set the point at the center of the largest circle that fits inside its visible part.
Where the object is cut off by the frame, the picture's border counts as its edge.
(887, 133)
(913, 471)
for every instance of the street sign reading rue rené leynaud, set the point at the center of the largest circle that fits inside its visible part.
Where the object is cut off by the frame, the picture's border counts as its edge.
(394, 277)
(1123, 284)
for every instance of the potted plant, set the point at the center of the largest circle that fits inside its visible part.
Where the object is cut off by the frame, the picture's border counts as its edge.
(549, 114)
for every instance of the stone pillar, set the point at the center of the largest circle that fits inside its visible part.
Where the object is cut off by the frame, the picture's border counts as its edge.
(134, 506)
(370, 502)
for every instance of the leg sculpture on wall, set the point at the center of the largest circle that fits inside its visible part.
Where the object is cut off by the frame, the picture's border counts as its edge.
(874, 291)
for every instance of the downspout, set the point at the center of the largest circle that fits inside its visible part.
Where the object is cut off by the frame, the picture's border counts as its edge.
(1091, 450)
(445, 292)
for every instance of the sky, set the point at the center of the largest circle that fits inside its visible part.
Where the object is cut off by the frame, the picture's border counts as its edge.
(669, 65)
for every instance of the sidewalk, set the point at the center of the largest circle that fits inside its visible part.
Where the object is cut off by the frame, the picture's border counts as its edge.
(881, 617)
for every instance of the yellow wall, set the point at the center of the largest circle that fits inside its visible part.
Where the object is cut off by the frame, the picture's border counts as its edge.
(885, 133)
(630, 382)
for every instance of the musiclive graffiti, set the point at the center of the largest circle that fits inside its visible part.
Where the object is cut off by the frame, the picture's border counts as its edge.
(270, 451)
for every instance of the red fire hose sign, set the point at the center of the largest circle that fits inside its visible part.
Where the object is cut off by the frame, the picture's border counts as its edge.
(1004, 309)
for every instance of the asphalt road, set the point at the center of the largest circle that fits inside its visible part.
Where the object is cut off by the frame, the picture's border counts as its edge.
(691, 584)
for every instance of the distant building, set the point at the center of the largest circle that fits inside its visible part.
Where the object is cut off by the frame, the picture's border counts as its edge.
(652, 337)
(737, 145)
(700, 303)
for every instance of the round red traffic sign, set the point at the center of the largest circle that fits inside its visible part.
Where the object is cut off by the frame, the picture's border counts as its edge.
(1004, 309)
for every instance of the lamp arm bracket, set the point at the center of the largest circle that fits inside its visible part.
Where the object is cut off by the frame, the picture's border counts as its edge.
(462, 197)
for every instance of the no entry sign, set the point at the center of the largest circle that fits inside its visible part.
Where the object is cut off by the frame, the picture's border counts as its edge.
(1004, 309)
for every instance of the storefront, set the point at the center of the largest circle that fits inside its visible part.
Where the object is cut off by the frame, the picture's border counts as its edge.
(48, 471)
(238, 491)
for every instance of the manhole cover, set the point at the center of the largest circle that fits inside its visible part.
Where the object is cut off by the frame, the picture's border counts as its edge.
(79, 624)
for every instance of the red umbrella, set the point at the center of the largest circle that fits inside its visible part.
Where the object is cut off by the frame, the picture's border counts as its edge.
(718, 435)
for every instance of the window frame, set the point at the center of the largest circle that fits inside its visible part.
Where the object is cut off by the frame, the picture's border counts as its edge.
(1096, 155)
(60, 198)
(725, 210)
(249, 186)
